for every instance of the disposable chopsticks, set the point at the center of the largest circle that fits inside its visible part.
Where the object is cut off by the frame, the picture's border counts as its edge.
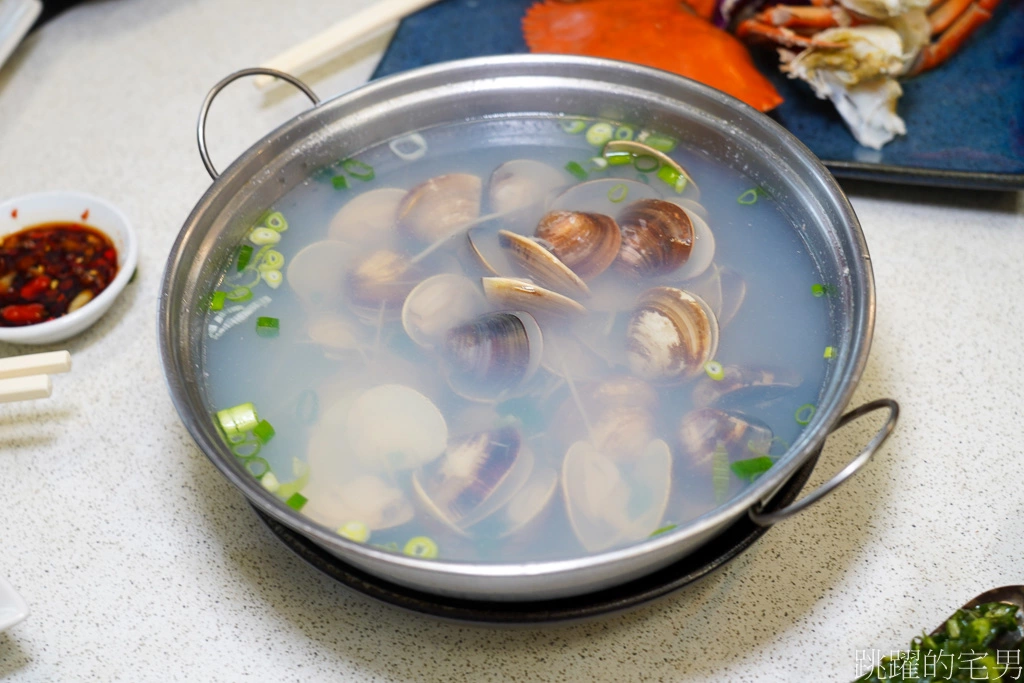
(23, 378)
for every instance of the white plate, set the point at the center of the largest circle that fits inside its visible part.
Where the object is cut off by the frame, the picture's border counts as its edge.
(12, 608)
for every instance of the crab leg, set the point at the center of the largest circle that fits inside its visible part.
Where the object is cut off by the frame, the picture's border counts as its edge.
(956, 23)
(777, 25)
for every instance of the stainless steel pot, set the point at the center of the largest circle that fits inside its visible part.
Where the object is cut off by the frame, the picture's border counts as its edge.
(701, 117)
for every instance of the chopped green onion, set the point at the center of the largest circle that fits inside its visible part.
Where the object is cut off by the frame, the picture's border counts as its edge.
(599, 134)
(301, 472)
(339, 182)
(663, 530)
(268, 327)
(781, 443)
(263, 467)
(714, 370)
(624, 133)
(247, 449)
(238, 420)
(576, 170)
(645, 163)
(244, 255)
(239, 294)
(276, 221)
(272, 260)
(573, 126)
(818, 290)
(747, 198)
(263, 431)
(355, 531)
(673, 178)
(618, 193)
(269, 482)
(263, 236)
(296, 501)
(358, 169)
(421, 546)
(662, 143)
(752, 468)
(597, 163)
(618, 158)
(720, 472)
(804, 413)
(830, 351)
(217, 301)
(308, 407)
(272, 278)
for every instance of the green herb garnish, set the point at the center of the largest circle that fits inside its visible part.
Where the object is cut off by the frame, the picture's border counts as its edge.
(751, 468)
(577, 170)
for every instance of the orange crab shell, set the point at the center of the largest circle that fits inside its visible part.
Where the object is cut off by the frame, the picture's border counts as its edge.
(657, 33)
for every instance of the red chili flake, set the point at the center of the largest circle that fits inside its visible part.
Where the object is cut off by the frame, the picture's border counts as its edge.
(14, 213)
(44, 267)
(85, 215)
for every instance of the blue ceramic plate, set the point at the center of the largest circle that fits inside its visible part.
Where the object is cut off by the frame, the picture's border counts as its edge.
(965, 120)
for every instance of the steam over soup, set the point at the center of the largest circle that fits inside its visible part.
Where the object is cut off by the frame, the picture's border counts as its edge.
(517, 339)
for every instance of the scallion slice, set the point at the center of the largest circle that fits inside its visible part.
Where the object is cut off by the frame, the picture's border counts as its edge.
(751, 468)
(573, 126)
(355, 531)
(804, 413)
(247, 449)
(618, 158)
(239, 294)
(358, 169)
(830, 352)
(269, 482)
(714, 370)
(277, 222)
(673, 178)
(662, 143)
(600, 133)
(663, 530)
(263, 431)
(339, 182)
(624, 133)
(272, 277)
(257, 467)
(296, 501)
(597, 163)
(618, 193)
(421, 546)
(268, 327)
(747, 198)
(262, 236)
(272, 260)
(577, 170)
(238, 420)
(217, 301)
(645, 163)
(244, 255)
(818, 290)
(301, 472)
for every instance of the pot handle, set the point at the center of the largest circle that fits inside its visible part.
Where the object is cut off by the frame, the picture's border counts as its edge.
(215, 90)
(769, 518)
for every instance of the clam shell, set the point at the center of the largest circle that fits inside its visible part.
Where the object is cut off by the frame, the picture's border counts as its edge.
(382, 280)
(634, 147)
(670, 335)
(337, 334)
(703, 431)
(512, 293)
(438, 304)
(522, 184)
(745, 384)
(528, 503)
(368, 219)
(544, 266)
(593, 196)
(493, 354)
(317, 274)
(602, 495)
(620, 412)
(703, 251)
(475, 477)
(734, 292)
(585, 242)
(367, 498)
(436, 208)
(657, 238)
(393, 427)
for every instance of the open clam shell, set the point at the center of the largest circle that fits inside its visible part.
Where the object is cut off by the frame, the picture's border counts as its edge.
(522, 184)
(605, 196)
(382, 280)
(367, 498)
(438, 304)
(613, 502)
(543, 265)
(657, 238)
(742, 384)
(703, 251)
(476, 476)
(436, 208)
(670, 335)
(335, 333)
(704, 431)
(616, 415)
(493, 354)
(317, 274)
(527, 504)
(513, 293)
(587, 243)
(368, 219)
(393, 427)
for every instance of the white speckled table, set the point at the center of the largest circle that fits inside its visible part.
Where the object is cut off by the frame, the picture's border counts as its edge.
(141, 563)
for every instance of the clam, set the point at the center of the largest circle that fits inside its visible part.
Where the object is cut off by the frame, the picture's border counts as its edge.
(613, 502)
(513, 293)
(620, 416)
(522, 184)
(382, 280)
(368, 218)
(704, 431)
(337, 334)
(734, 292)
(657, 238)
(640, 149)
(670, 335)
(486, 253)
(476, 476)
(493, 354)
(527, 504)
(438, 304)
(317, 273)
(605, 196)
(745, 384)
(543, 265)
(367, 498)
(585, 242)
(394, 427)
(568, 357)
(703, 251)
(435, 209)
